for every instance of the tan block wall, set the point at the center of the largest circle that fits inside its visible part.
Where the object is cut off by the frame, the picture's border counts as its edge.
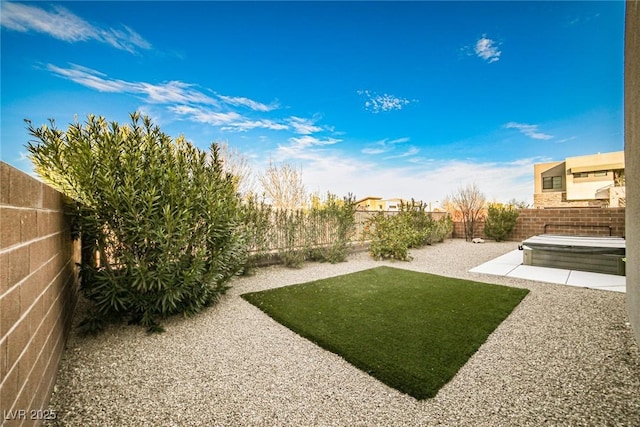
(632, 159)
(38, 292)
(458, 230)
(569, 221)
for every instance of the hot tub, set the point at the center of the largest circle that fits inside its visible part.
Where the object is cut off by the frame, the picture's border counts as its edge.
(594, 254)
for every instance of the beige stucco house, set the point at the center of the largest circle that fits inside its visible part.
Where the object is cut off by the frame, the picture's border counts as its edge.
(594, 180)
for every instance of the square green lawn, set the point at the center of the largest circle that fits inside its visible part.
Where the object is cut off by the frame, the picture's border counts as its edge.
(410, 330)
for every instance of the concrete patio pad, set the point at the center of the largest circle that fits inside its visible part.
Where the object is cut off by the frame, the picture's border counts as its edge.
(510, 265)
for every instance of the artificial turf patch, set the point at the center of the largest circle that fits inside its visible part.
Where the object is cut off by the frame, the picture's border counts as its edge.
(412, 331)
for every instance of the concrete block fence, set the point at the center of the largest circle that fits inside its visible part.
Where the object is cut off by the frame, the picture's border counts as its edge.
(38, 292)
(572, 221)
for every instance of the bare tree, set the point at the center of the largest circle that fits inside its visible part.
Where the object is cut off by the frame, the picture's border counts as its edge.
(448, 206)
(469, 203)
(283, 186)
(238, 165)
(518, 204)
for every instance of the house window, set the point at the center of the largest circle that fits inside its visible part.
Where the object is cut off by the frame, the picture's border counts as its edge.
(552, 183)
(600, 173)
(581, 175)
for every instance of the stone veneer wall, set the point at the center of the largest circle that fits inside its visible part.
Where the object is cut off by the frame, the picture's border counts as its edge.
(38, 292)
(558, 199)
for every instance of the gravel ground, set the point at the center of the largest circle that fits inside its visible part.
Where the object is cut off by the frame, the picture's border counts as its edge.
(565, 356)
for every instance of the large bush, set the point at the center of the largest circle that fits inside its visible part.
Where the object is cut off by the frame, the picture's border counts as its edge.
(391, 235)
(500, 221)
(160, 213)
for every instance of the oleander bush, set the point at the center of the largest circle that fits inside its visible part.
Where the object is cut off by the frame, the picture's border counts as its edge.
(500, 221)
(161, 214)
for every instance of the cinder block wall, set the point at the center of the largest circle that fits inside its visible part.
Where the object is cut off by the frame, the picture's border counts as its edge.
(458, 229)
(576, 221)
(38, 292)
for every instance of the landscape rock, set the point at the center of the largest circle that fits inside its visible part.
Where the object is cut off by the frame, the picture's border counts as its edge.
(565, 356)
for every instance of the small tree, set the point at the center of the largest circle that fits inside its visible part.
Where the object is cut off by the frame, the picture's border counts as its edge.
(283, 186)
(518, 204)
(469, 201)
(500, 220)
(239, 166)
(161, 214)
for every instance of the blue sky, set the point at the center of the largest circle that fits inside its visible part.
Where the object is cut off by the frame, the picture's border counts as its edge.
(394, 99)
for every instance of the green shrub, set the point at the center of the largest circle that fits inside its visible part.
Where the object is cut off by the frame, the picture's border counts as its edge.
(420, 224)
(443, 229)
(500, 221)
(330, 228)
(389, 237)
(392, 235)
(290, 226)
(256, 223)
(161, 214)
(320, 233)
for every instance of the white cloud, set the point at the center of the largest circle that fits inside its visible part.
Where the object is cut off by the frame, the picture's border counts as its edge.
(246, 102)
(571, 138)
(342, 174)
(303, 126)
(63, 25)
(173, 92)
(182, 99)
(91, 78)
(382, 103)
(228, 121)
(248, 124)
(487, 49)
(204, 116)
(412, 151)
(332, 169)
(583, 19)
(308, 141)
(383, 146)
(399, 140)
(163, 93)
(304, 146)
(373, 150)
(528, 130)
